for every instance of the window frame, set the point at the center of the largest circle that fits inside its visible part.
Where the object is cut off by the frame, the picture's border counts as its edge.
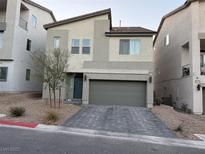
(4, 80)
(34, 21)
(167, 40)
(86, 46)
(73, 46)
(28, 74)
(129, 52)
(28, 45)
(54, 42)
(1, 39)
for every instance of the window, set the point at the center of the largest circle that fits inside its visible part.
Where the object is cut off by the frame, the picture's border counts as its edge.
(3, 73)
(28, 46)
(28, 74)
(75, 46)
(34, 21)
(166, 40)
(129, 47)
(1, 39)
(56, 42)
(86, 46)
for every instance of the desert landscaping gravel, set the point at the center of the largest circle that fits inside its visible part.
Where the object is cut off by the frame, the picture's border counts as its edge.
(190, 124)
(36, 108)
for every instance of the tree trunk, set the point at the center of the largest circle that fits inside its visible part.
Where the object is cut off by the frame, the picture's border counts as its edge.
(50, 96)
(54, 96)
(59, 100)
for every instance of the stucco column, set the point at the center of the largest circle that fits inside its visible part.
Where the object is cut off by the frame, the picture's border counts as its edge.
(12, 21)
(85, 90)
(195, 53)
(150, 94)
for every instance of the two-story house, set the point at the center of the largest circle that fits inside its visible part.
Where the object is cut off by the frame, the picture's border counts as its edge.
(21, 33)
(180, 56)
(107, 65)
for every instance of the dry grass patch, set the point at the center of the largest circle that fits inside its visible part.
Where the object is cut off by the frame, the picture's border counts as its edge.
(35, 108)
(184, 125)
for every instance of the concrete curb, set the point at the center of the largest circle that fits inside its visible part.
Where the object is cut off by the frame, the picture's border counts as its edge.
(115, 136)
(124, 136)
(16, 123)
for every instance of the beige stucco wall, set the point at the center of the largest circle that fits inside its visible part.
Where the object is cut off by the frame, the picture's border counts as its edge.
(78, 30)
(184, 26)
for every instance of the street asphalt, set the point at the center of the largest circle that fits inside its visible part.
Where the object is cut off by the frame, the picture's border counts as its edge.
(21, 141)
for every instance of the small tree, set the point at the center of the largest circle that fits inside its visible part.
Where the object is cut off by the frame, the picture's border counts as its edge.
(54, 64)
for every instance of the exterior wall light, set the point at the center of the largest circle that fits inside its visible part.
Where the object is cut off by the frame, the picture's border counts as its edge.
(198, 83)
(150, 77)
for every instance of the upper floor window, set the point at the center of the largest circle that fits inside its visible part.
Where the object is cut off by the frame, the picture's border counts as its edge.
(34, 21)
(86, 46)
(3, 73)
(75, 49)
(129, 47)
(28, 45)
(56, 42)
(1, 39)
(28, 74)
(166, 40)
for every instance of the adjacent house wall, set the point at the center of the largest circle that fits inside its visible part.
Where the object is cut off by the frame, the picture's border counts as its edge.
(168, 66)
(15, 41)
(183, 28)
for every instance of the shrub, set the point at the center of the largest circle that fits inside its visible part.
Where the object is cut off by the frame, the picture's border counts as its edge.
(158, 101)
(179, 128)
(184, 108)
(17, 111)
(51, 117)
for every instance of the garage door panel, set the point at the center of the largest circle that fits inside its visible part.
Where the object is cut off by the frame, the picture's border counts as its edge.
(117, 93)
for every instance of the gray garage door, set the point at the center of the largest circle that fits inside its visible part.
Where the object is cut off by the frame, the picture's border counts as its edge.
(117, 93)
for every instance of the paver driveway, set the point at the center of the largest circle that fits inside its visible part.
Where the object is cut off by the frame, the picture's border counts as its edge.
(120, 119)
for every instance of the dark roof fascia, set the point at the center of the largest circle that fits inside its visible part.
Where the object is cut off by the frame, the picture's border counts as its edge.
(79, 18)
(41, 7)
(184, 6)
(129, 34)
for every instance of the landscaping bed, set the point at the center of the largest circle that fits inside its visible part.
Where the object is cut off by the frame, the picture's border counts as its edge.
(35, 108)
(184, 125)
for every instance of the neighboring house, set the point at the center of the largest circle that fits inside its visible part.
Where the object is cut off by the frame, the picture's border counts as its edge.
(107, 65)
(180, 57)
(21, 32)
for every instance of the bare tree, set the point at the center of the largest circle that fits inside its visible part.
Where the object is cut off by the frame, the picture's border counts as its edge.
(54, 64)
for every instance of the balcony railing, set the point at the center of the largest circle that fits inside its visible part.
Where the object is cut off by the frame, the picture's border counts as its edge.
(23, 23)
(186, 70)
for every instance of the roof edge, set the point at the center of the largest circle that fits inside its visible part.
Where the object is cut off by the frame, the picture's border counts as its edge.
(81, 17)
(182, 7)
(41, 7)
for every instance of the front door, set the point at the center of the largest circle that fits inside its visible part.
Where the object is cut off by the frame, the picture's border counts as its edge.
(78, 85)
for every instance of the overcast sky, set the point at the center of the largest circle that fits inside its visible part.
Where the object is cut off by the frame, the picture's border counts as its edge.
(145, 13)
